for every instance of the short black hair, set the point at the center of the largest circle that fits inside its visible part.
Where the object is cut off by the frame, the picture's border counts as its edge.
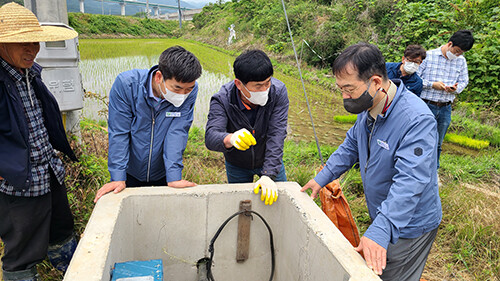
(415, 51)
(252, 65)
(365, 58)
(462, 39)
(180, 64)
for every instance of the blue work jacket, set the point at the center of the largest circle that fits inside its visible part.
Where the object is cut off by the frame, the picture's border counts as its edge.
(15, 165)
(412, 82)
(145, 142)
(398, 165)
(269, 129)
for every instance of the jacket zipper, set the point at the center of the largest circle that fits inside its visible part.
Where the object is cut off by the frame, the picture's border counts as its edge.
(369, 142)
(151, 143)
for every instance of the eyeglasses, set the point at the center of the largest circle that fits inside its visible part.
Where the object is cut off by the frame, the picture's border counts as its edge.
(349, 92)
(346, 91)
(417, 60)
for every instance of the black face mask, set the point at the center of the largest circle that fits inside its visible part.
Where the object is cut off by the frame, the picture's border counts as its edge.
(356, 106)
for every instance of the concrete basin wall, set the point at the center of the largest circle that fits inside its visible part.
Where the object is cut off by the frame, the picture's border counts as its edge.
(176, 225)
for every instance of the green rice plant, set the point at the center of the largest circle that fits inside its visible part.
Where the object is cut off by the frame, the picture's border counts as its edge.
(466, 141)
(345, 118)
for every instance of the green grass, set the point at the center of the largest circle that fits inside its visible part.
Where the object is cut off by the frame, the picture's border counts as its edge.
(471, 169)
(469, 234)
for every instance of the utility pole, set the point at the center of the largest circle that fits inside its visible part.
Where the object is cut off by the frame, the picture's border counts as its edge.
(147, 9)
(48, 10)
(180, 13)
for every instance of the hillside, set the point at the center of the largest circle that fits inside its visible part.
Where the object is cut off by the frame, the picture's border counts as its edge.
(329, 26)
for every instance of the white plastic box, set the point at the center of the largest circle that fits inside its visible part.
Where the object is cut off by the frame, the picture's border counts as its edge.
(60, 72)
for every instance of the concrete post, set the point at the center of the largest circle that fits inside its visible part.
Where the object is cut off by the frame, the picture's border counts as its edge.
(180, 13)
(82, 6)
(122, 5)
(56, 11)
(48, 10)
(156, 10)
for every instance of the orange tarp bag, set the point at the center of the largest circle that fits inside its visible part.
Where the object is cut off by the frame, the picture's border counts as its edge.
(334, 205)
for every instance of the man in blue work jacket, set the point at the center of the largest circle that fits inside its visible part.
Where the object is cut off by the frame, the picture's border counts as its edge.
(150, 113)
(406, 70)
(247, 122)
(394, 139)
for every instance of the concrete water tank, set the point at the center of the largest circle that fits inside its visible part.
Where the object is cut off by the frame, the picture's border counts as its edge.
(60, 74)
(176, 226)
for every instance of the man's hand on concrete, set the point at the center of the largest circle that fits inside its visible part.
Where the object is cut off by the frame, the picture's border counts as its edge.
(314, 186)
(180, 184)
(115, 186)
(439, 86)
(269, 190)
(242, 139)
(375, 255)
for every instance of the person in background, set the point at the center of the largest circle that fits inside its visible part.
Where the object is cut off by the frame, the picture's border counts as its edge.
(445, 75)
(407, 68)
(35, 216)
(247, 121)
(150, 113)
(394, 139)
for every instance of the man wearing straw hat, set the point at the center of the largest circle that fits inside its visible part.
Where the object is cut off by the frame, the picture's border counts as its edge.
(36, 219)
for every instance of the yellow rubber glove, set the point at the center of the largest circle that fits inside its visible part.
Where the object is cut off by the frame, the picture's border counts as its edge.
(269, 190)
(242, 139)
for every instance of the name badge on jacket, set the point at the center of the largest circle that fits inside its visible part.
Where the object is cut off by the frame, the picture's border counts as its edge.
(172, 114)
(383, 144)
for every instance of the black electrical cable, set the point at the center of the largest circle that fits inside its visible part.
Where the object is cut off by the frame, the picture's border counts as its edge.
(211, 246)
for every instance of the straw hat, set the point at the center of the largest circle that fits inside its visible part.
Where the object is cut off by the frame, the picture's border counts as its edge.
(20, 25)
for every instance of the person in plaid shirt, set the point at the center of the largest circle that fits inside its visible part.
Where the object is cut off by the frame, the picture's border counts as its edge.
(444, 75)
(35, 217)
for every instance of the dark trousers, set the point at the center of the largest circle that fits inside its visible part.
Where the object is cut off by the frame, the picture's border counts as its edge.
(29, 224)
(236, 174)
(133, 182)
(443, 119)
(406, 259)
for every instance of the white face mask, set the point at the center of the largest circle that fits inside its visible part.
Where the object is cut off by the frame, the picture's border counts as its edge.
(450, 55)
(174, 98)
(410, 67)
(259, 98)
